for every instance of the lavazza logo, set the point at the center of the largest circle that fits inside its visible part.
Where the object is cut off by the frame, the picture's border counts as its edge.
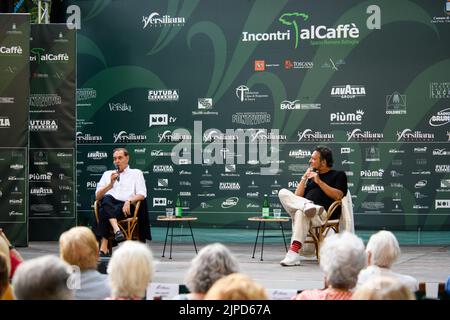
(4, 122)
(442, 168)
(43, 125)
(97, 155)
(348, 91)
(155, 20)
(163, 95)
(299, 154)
(372, 188)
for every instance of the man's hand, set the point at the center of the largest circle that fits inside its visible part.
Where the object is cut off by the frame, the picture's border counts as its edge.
(114, 176)
(126, 208)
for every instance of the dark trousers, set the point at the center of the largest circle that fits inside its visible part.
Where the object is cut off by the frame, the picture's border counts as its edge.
(110, 208)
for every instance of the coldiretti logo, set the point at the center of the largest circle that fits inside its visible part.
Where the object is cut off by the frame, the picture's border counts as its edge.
(40, 55)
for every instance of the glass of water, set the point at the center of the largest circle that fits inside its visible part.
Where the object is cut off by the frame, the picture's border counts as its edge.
(276, 213)
(169, 212)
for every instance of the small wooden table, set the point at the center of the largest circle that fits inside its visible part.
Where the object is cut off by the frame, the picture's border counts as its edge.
(263, 221)
(170, 222)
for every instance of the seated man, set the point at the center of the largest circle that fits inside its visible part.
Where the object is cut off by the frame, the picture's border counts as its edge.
(117, 191)
(319, 187)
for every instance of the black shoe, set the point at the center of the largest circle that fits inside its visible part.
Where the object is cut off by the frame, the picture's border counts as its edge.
(119, 237)
(104, 255)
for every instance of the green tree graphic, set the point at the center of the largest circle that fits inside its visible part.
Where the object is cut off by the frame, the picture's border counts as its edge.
(289, 19)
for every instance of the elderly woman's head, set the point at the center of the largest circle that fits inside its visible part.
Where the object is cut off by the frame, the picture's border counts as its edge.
(130, 270)
(383, 249)
(236, 286)
(43, 278)
(342, 256)
(212, 262)
(78, 246)
(383, 288)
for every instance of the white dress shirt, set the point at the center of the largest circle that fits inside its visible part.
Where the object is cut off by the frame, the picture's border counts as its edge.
(131, 183)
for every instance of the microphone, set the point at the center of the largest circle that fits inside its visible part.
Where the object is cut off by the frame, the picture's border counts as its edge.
(118, 177)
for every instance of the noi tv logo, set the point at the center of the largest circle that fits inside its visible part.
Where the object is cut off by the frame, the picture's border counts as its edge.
(442, 204)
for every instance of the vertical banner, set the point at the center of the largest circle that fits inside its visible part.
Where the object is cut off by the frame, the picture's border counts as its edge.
(14, 91)
(52, 130)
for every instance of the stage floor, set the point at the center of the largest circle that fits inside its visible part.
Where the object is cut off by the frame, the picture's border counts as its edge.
(425, 263)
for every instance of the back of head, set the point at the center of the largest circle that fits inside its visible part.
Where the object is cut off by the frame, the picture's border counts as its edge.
(5, 250)
(4, 274)
(383, 288)
(78, 246)
(212, 262)
(342, 257)
(384, 249)
(43, 278)
(130, 270)
(236, 286)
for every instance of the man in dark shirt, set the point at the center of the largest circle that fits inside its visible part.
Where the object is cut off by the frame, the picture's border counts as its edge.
(319, 187)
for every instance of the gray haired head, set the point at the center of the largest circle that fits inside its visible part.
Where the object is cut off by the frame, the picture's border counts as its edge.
(342, 257)
(43, 278)
(212, 263)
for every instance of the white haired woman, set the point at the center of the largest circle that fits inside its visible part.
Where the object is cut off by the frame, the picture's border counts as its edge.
(43, 278)
(130, 271)
(382, 251)
(342, 257)
(212, 263)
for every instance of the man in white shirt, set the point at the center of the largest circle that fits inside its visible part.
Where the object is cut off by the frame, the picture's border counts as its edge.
(117, 191)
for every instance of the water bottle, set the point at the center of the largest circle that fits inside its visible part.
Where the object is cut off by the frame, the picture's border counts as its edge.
(265, 207)
(178, 207)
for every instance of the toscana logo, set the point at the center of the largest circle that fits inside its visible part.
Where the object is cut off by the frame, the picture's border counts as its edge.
(40, 55)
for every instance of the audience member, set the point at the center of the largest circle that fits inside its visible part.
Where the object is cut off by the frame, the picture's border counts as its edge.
(14, 255)
(447, 286)
(130, 271)
(4, 275)
(7, 293)
(342, 257)
(382, 251)
(236, 286)
(383, 288)
(212, 263)
(43, 278)
(79, 247)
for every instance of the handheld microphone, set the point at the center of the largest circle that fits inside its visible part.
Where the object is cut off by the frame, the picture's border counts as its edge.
(118, 177)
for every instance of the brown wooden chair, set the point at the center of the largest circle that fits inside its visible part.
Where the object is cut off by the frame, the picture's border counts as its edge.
(317, 234)
(129, 226)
